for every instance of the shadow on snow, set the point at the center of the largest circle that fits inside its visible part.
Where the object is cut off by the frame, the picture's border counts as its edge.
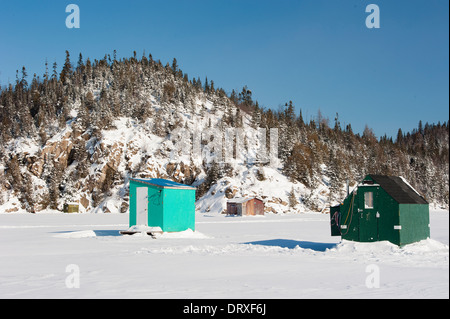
(98, 233)
(291, 244)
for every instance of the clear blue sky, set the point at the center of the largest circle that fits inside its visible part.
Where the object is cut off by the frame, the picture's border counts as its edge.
(317, 53)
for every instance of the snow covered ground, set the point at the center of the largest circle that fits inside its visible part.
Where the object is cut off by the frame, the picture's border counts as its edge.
(275, 256)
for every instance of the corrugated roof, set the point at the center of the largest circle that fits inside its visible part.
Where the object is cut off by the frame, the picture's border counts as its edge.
(162, 183)
(241, 200)
(400, 191)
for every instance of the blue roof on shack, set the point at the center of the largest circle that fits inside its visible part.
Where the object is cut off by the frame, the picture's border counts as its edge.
(162, 183)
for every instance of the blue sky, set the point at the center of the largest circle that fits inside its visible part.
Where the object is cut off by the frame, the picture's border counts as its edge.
(317, 53)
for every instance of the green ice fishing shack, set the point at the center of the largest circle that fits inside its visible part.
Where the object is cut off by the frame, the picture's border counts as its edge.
(162, 203)
(382, 208)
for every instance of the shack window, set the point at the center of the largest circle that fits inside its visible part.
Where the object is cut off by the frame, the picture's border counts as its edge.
(368, 200)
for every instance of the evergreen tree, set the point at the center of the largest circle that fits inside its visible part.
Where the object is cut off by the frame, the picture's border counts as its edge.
(206, 88)
(292, 198)
(245, 97)
(333, 172)
(23, 81)
(256, 116)
(80, 64)
(174, 66)
(66, 70)
(55, 72)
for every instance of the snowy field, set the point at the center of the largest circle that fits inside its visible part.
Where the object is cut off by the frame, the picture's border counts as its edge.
(47, 255)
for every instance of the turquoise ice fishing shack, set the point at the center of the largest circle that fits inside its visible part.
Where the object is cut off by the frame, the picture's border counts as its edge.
(162, 203)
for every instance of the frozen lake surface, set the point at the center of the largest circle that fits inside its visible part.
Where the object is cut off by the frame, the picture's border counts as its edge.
(275, 256)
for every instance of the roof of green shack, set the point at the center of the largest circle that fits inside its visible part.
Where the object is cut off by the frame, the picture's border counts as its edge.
(162, 183)
(399, 189)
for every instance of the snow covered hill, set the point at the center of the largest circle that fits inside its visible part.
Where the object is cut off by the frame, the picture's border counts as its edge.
(81, 136)
(129, 149)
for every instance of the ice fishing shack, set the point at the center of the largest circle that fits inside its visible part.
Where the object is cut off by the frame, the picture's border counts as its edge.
(382, 208)
(245, 206)
(162, 203)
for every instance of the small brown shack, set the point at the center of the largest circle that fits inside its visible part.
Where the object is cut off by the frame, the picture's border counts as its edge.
(245, 206)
